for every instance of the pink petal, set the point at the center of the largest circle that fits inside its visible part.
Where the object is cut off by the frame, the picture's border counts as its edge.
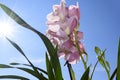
(72, 58)
(67, 44)
(79, 35)
(74, 11)
(73, 23)
(61, 35)
(61, 54)
(82, 49)
(54, 28)
(51, 17)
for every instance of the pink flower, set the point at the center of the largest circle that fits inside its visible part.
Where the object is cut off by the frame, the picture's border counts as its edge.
(63, 30)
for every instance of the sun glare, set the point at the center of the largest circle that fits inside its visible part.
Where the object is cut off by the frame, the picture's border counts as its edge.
(5, 29)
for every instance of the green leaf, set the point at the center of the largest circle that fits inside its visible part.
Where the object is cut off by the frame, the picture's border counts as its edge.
(97, 50)
(49, 69)
(20, 50)
(108, 65)
(33, 73)
(29, 66)
(53, 55)
(85, 76)
(101, 61)
(5, 66)
(13, 77)
(42, 77)
(29, 71)
(118, 63)
(15, 17)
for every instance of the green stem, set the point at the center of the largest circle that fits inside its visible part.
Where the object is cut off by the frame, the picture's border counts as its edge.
(68, 65)
(80, 53)
(113, 74)
(94, 70)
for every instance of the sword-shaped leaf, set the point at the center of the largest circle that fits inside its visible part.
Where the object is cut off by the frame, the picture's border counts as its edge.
(13, 77)
(85, 75)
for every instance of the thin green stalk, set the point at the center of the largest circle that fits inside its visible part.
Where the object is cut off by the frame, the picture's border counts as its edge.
(85, 66)
(94, 70)
(68, 65)
(80, 53)
(113, 74)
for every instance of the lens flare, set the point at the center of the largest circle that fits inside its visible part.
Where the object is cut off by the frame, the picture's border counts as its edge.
(6, 29)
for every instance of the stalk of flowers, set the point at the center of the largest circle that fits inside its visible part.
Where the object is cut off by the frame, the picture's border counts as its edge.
(62, 30)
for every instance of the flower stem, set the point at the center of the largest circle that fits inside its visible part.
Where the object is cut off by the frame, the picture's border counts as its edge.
(69, 66)
(94, 70)
(80, 53)
(113, 74)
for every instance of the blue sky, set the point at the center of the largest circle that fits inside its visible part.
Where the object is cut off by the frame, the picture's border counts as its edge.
(100, 22)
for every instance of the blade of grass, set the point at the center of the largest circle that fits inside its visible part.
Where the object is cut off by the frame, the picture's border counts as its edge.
(85, 76)
(41, 70)
(13, 77)
(49, 69)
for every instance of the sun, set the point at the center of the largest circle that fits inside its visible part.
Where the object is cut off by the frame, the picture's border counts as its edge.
(5, 29)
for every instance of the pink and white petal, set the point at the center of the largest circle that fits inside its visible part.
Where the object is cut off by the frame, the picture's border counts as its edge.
(82, 49)
(62, 35)
(72, 23)
(79, 35)
(52, 18)
(61, 54)
(74, 11)
(72, 58)
(64, 9)
(56, 9)
(54, 28)
(73, 49)
(54, 41)
(67, 44)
